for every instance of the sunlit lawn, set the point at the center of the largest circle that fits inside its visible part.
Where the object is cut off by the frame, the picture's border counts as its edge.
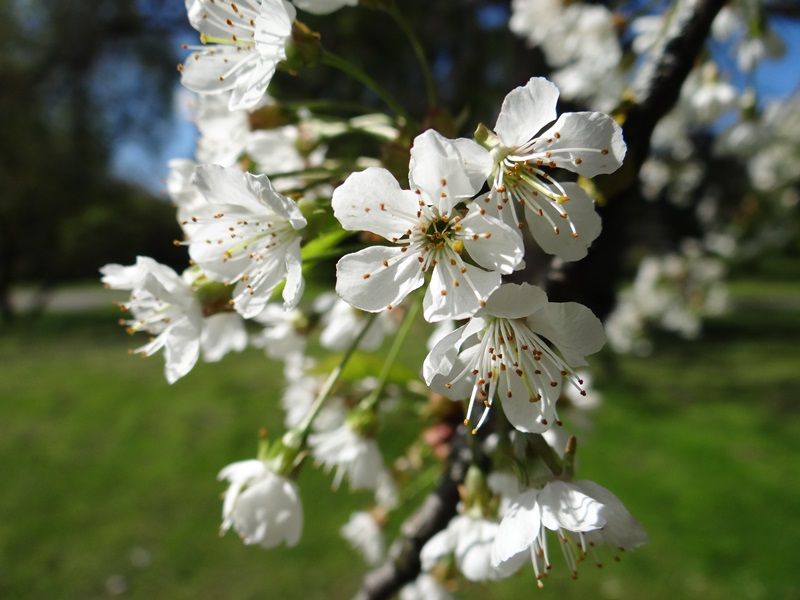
(108, 473)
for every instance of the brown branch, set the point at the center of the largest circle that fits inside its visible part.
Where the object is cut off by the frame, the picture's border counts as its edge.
(403, 564)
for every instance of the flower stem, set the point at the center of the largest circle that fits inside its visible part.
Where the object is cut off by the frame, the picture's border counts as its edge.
(348, 68)
(419, 52)
(333, 378)
(397, 344)
(547, 454)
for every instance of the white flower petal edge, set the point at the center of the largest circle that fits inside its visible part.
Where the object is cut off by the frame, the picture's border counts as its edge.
(323, 7)
(525, 111)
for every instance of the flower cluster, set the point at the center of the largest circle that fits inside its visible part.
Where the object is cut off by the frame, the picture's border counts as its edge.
(266, 203)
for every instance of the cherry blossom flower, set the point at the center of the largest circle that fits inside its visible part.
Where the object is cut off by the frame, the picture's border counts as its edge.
(365, 534)
(518, 348)
(302, 387)
(560, 216)
(424, 587)
(283, 337)
(428, 231)
(181, 189)
(582, 513)
(246, 40)
(263, 507)
(350, 453)
(223, 332)
(246, 233)
(341, 323)
(469, 539)
(163, 305)
(579, 39)
(224, 133)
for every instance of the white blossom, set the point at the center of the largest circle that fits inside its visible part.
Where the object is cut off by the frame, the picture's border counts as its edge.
(350, 454)
(224, 133)
(262, 507)
(222, 333)
(429, 233)
(323, 7)
(163, 305)
(580, 513)
(424, 587)
(365, 534)
(302, 387)
(242, 44)
(469, 539)
(181, 189)
(560, 216)
(282, 337)
(518, 348)
(246, 233)
(341, 323)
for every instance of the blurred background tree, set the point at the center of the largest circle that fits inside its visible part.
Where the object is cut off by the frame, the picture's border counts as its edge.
(65, 99)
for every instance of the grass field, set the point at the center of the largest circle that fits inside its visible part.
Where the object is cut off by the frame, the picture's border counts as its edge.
(109, 473)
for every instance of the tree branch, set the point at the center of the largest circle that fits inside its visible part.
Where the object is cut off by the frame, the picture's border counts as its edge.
(403, 564)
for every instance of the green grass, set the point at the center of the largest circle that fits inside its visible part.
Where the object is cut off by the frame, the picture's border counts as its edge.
(101, 458)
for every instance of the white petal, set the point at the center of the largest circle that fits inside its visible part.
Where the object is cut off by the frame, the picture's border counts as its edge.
(456, 295)
(226, 186)
(251, 296)
(279, 204)
(526, 111)
(181, 350)
(588, 143)
(621, 529)
(252, 84)
(438, 168)
(293, 289)
(323, 7)
(582, 215)
(274, 26)
(518, 529)
(373, 201)
(564, 506)
(363, 280)
(572, 328)
(476, 160)
(439, 546)
(491, 243)
(119, 277)
(473, 549)
(522, 409)
(222, 333)
(515, 301)
(442, 358)
(275, 150)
